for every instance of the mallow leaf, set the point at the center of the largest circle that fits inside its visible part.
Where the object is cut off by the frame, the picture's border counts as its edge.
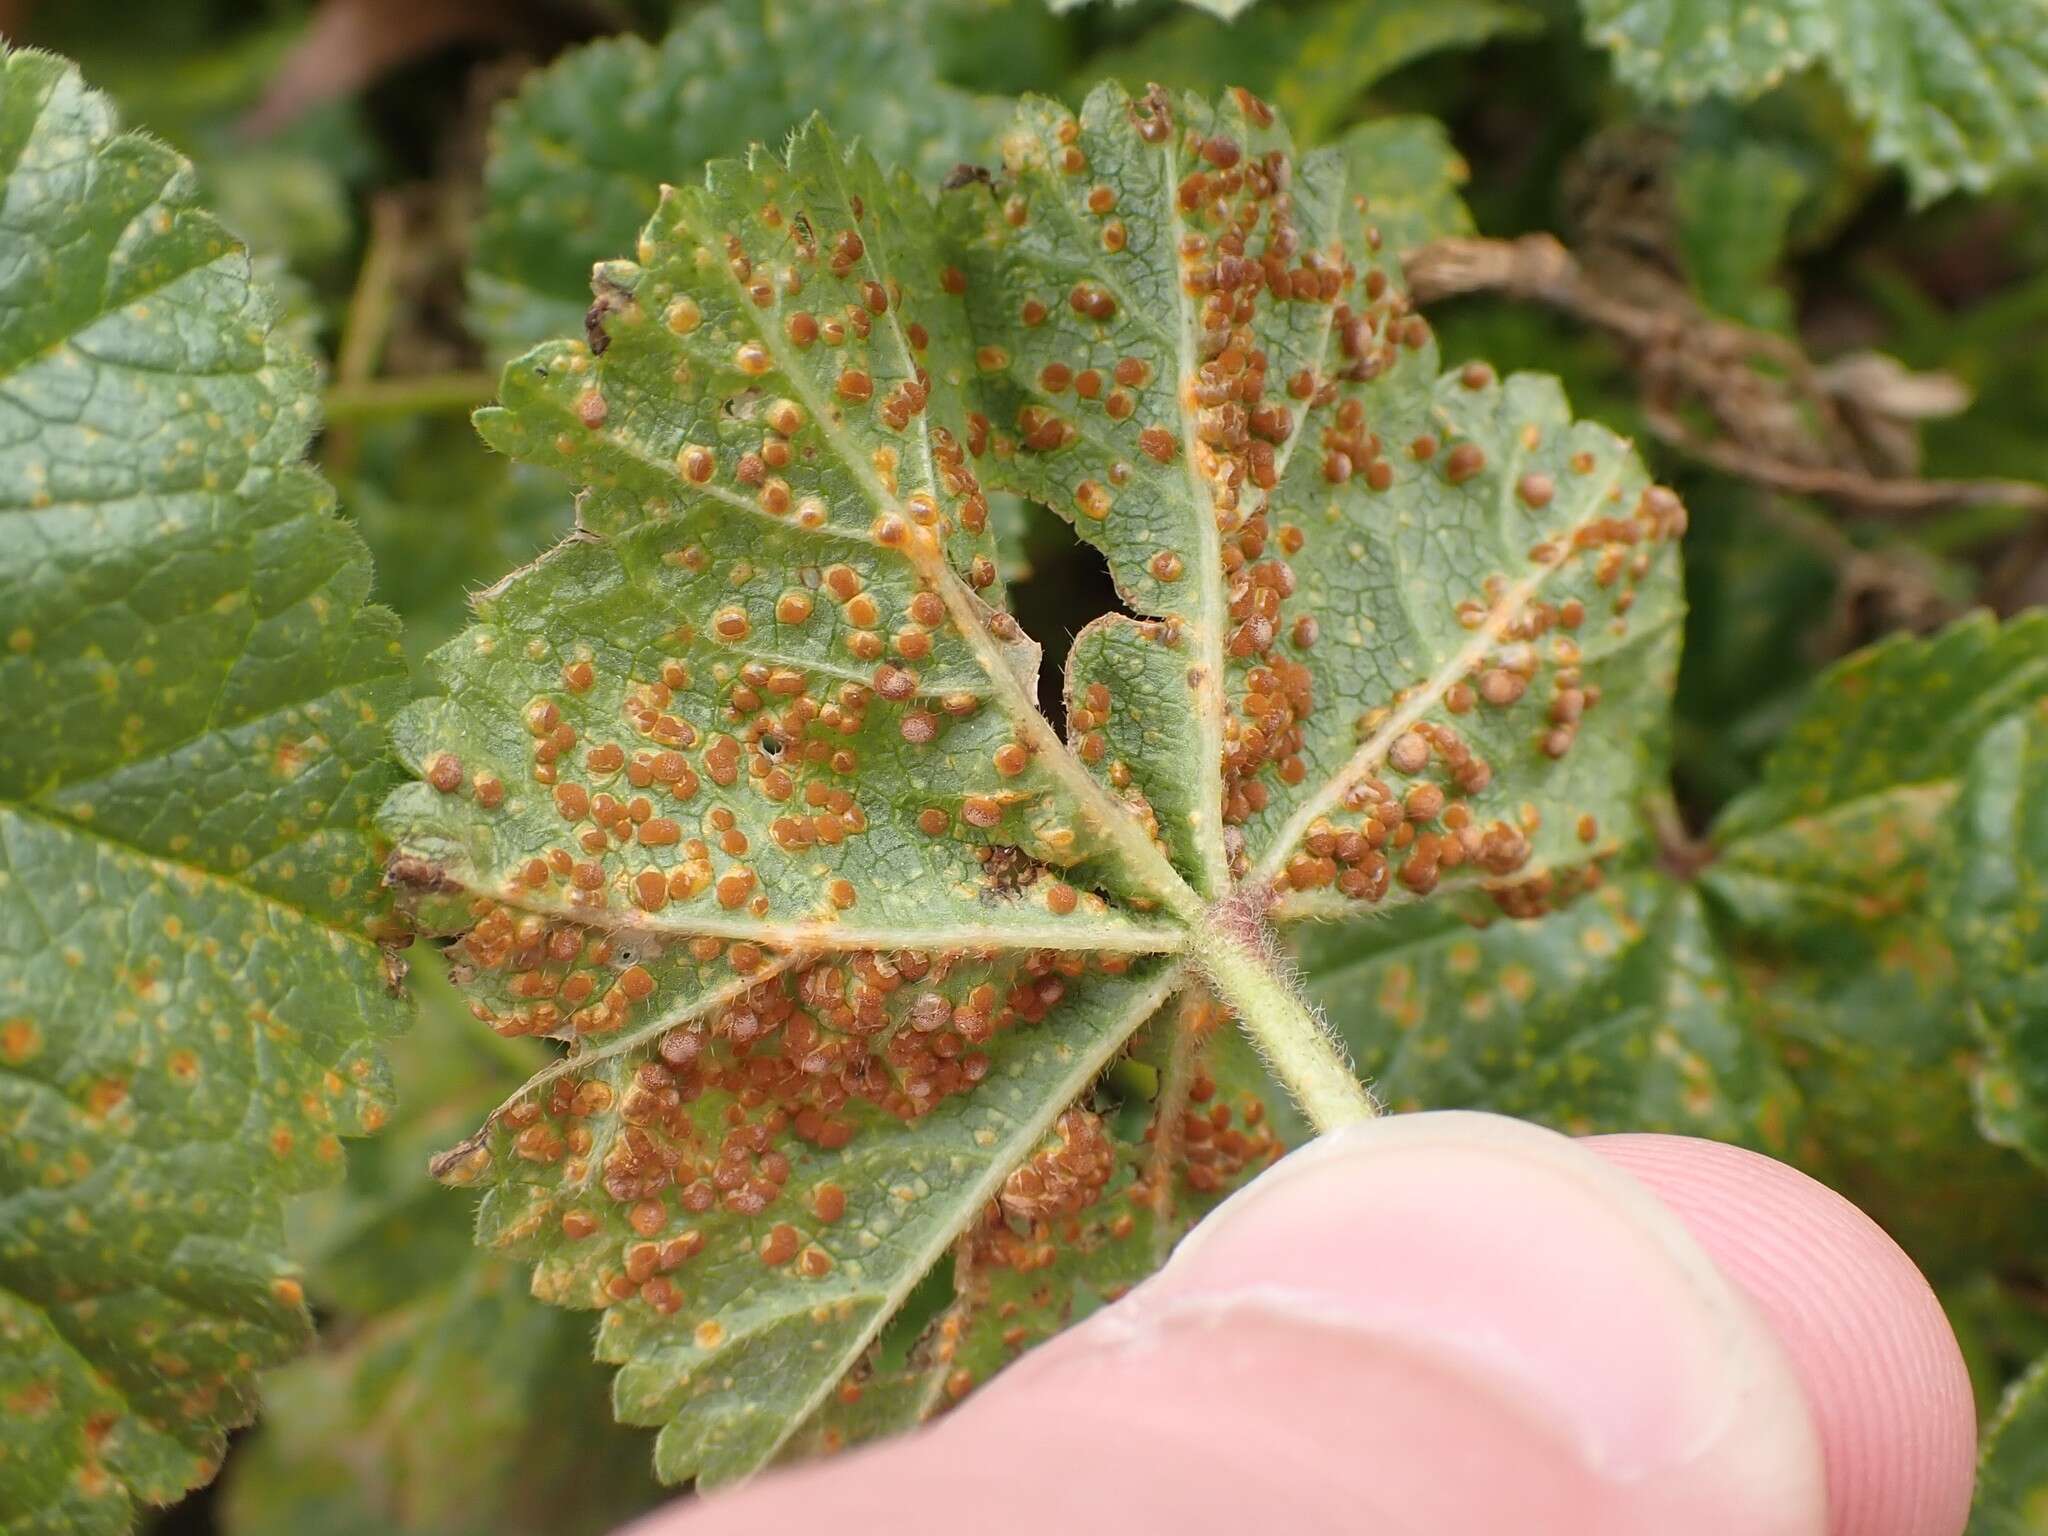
(1839, 972)
(743, 792)
(1955, 94)
(445, 1400)
(579, 155)
(2012, 1477)
(191, 984)
(1312, 61)
(1620, 1010)
(1994, 907)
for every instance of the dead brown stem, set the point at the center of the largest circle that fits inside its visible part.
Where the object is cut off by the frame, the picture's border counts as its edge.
(1686, 357)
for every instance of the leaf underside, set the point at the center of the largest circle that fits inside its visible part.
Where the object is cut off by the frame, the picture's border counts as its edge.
(192, 991)
(743, 791)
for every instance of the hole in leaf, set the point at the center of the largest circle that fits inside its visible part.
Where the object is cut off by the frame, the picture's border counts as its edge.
(1069, 586)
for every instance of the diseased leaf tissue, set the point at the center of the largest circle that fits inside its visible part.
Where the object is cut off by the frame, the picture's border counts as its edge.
(191, 990)
(874, 1025)
(743, 791)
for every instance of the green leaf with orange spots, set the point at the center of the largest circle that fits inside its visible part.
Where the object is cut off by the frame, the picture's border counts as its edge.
(1829, 943)
(1618, 1011)
(1829, 877)
(191, 989)
(743, 791)
(1957, 95)
(1995, 905)
(2012, 1476)
(1437, 586)
(446, 1401)
(580, 154)
(1183, 1119)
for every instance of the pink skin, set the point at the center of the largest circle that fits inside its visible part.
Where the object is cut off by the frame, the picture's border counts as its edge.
(1454, 1324)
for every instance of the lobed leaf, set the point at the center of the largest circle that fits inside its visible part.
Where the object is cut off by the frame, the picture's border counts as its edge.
(191, 988)
(744, 794)
(2012, 1477)
(1313, 62)
(1956, 94)
(445, 1400)
(1437, 598)
(1620, 1011)
(1994, 906)
(579, 156)
(1807, 990)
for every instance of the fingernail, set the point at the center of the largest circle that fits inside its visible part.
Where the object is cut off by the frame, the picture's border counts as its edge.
(1512, 1256)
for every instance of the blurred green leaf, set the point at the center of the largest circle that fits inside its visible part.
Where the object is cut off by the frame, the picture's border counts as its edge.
(1957, 95)
(1997, 345)
(1006, 47)
(579, 156)
(444, 517)
(1760, 608)
(1733, 205)
(2012, 1478)
(1997, 909)
(448, 1401)
(1311, 60)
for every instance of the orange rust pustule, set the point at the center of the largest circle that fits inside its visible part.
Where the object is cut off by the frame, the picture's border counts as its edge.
(720, 1114)
(1417, 836)
(1021, 1227)
(1243, 254)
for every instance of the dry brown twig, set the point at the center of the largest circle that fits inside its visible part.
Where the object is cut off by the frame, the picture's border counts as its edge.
(1786, 425)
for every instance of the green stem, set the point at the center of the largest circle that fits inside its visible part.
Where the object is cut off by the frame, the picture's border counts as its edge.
(417, 395)
(368, 321)
(1294, 1039)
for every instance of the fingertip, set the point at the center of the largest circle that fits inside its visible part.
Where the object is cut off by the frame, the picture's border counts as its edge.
(1458, 1323)
(1873, 1351)
(1439, 1325)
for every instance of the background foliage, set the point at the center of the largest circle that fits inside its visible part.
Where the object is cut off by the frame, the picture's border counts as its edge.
(1822, 939)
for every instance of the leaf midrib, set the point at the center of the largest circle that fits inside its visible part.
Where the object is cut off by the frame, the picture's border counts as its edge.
(1209, 701)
